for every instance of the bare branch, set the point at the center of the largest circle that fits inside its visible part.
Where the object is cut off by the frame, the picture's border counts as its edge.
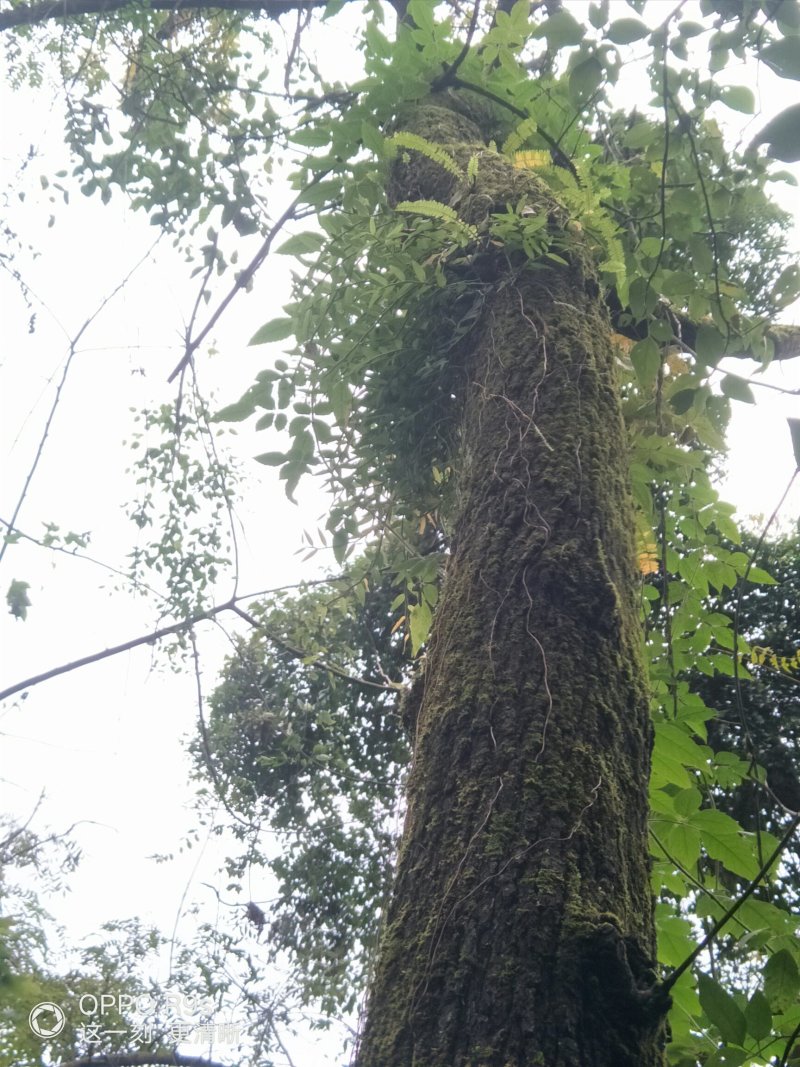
(183, 627)
(114, 650)
(73, 345)
(14, 532)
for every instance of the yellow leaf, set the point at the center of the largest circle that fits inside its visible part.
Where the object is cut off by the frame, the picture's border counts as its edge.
(676, 361)
(623, 342)
(647, 557)
(531, 160)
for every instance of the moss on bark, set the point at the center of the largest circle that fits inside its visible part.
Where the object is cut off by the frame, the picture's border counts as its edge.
(520, 930)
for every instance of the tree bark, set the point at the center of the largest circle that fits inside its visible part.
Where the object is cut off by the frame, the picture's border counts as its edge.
(520, 931)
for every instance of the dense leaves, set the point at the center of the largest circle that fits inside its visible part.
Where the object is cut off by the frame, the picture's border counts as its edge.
(317, 758)
(758, 712)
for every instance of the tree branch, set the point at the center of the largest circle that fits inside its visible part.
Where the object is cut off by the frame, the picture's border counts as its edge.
(141, 1059)
(182, 627)
(243, 279)
(331, 668)
(786, 339)
(114, 650)
(36, 14)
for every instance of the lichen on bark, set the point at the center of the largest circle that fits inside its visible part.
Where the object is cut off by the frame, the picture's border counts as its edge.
(520, 929)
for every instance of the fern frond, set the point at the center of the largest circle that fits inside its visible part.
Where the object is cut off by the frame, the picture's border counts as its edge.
(527, 128)
(532, 160)
(435, 152)
(432, 209)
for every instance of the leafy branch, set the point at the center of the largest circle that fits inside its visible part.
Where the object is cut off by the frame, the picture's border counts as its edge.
(35, 14)
(184, 626)
(244, 277)
(723, 920)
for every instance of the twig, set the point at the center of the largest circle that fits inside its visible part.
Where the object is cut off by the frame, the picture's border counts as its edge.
(448, 75)
(242, 279)
(784, 1060)
(180, 627)
(295, 651)
(73, 344)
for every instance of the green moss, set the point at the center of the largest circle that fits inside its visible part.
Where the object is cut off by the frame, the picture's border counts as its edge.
(524, 866)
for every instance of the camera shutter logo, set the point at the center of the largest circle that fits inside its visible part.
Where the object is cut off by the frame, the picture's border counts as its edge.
(47, 1020)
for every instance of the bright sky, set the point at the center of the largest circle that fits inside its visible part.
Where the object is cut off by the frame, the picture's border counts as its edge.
(105, 742)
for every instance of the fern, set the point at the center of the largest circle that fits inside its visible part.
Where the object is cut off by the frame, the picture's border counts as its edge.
(527, 128)
(432, 209)
(532, 159)
(435, 152)
(582, 201)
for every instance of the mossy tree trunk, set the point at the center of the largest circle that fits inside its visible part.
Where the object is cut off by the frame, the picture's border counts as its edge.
(520, 930)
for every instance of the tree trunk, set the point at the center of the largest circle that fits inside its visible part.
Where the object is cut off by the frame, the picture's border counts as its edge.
(520, 930)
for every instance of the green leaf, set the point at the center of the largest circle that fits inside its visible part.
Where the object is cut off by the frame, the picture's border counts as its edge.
(738, 98)
(561, 30)
(758, 574)
(340, 542)
(646, 359)
(781, 980)
(274, 330)
(691, 29)
(271, 459)
(625, 31)
(640, 135)
(724, 840)
(651, 246)
(710, 345)
(372, 137)
(787, 288)
(676, 942)
(585, 79)
(727, 1057)
(311, 136)
(237, 412)
(722, 1010)
(758, 1016)
(598, 14)
(681, 401)
(737, 389)
(421, 14)
(341, 400)
(794, 430)
(419, 624)
(18, 600)
(783, 57)
(678, 284)
(301, 244)
(782, 134)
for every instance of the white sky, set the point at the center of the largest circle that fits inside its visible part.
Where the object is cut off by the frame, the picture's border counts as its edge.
(105, 742)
